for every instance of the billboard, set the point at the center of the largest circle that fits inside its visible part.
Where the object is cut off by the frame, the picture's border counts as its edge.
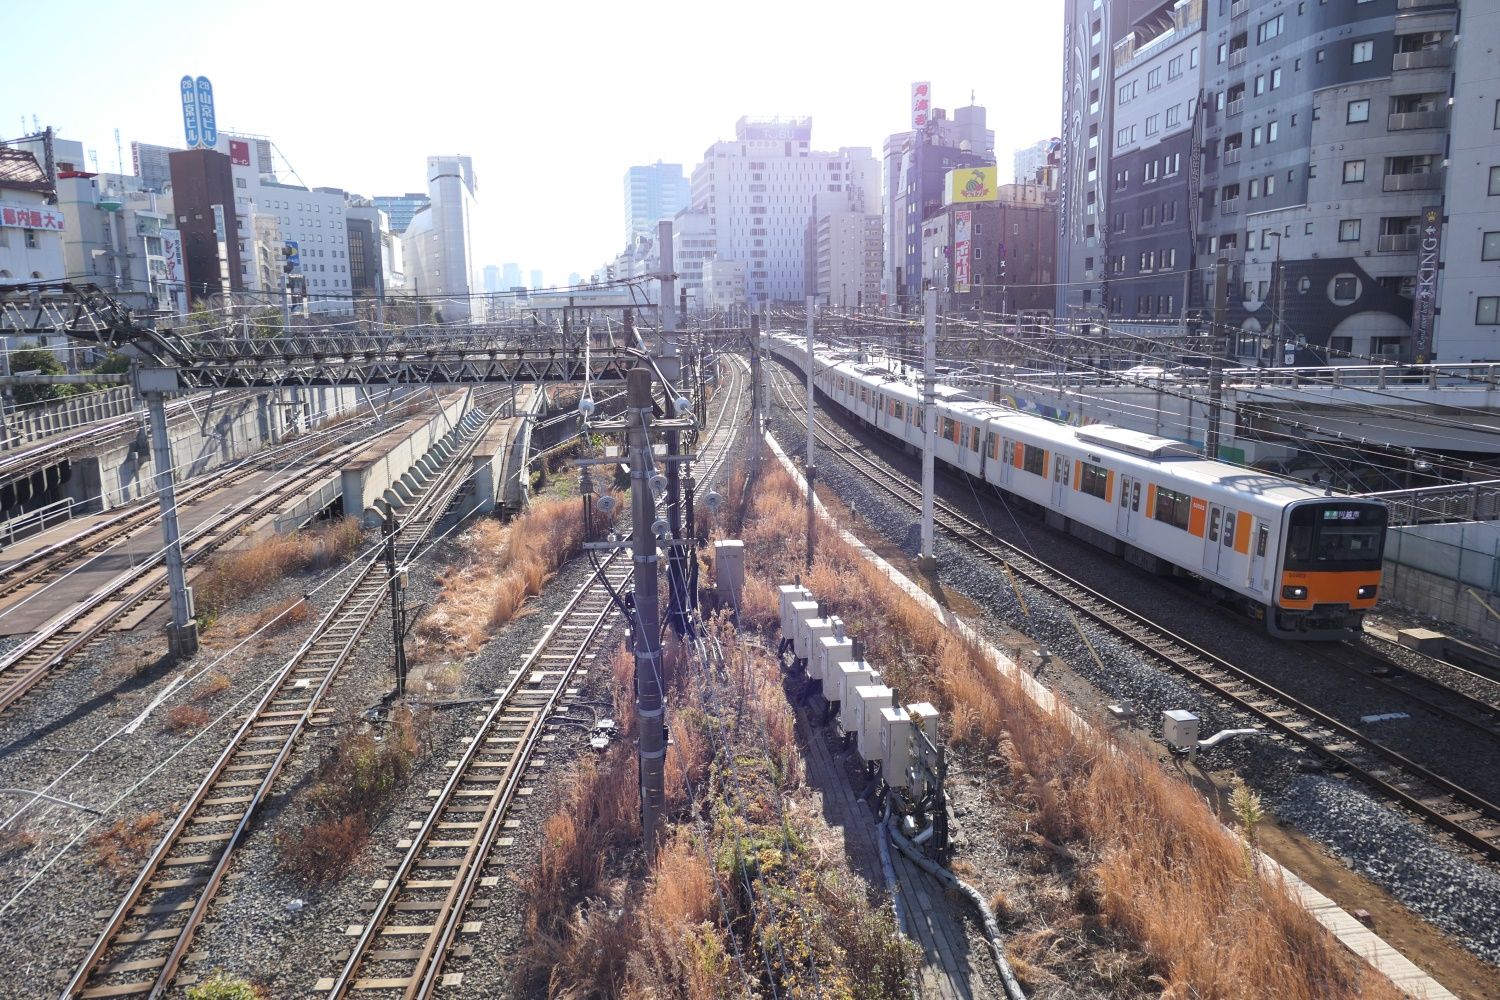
(1431, 233)
(967, 185)
(921, 105)
(963, 235)
(190, 113)
(239, 153)
(28, 217)
(207, 123)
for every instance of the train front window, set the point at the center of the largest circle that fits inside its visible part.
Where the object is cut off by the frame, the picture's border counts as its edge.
(1336, 537)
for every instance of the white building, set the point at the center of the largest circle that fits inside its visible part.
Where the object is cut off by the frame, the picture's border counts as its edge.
(311, 220)
(753, 199)
(31, 230)
(723, 284)
(438, 243)
(848, 257)
(1031, 161)
(1468, 319)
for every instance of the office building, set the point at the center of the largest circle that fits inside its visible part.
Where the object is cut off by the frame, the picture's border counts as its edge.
(996, 255)
(205, 203)
(753, 201)
(32, 226)
(400, 209)
(847, 253)
(1032, 163)
(653, 192)
(438, 242)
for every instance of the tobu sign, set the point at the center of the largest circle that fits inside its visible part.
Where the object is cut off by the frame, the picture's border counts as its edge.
(26, 217)
(1431, 233)
(921, 105)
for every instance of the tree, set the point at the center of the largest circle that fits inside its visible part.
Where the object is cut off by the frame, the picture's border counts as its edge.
(44, 362)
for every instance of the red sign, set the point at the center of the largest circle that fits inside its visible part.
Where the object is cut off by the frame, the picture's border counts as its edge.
(921, 105)
(19, 217)
(239, 153)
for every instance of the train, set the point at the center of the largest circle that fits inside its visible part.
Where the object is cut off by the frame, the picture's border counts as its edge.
(1305, 561)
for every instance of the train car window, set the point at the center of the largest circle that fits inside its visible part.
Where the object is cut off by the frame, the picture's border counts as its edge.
(896, 410)
(1174, 508)
(1124, 496)
(1095, 482)
(864, 394)
(1034, 460)
(1336, 536)
(1260, 540)
(974, 440)
(1135, 497)
(1213, 525)
(992, 446)
(945, 429)
(1228, 528)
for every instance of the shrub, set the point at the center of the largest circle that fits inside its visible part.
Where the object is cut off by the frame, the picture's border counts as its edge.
(224, 987)
(186, 718)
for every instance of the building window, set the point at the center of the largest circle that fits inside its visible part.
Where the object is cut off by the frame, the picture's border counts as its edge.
(1345, 289)
(1487, 310)
(1270, 29)
(1364, 51)
(1153, 124)
(1494, 180)
(1174, 115)
(1275, 78)
(1490, 250)
(1354, 171)
(1359, 111)
(1174, 68)
(1260, 84)
(31, 241)
(1273, 131)
(1349, 231)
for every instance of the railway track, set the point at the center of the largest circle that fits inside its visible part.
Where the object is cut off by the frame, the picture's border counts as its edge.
(1456, 811)
(417, 922)
(148, 937)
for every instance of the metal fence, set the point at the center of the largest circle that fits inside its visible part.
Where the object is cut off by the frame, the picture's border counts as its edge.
(1469, 554)
(1434, 504)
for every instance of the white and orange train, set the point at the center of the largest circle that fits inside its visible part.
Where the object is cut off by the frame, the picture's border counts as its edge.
(1306, 562)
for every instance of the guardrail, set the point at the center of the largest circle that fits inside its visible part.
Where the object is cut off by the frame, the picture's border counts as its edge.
(25, 424)
(33, 521)
(1479, 501)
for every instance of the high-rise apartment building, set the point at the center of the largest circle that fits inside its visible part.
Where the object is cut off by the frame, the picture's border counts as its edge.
(916, 165)
(753, 200)
(847, 257)
(653, 192)
(1031, 161)
(150, 164)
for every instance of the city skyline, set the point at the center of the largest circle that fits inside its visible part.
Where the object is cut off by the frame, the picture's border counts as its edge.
(855, 86)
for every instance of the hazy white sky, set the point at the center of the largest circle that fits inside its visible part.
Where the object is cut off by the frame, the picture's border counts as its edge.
(552, 100)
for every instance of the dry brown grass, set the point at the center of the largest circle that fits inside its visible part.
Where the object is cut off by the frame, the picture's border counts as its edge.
(282, 615)
(235, 575)
(1169, 876)
(502, 566)
(186, 718)
(121, 846)
(214, 683)
(354, 788)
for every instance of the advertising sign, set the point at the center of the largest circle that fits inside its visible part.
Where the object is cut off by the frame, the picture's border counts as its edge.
(921, 105)
(220, 229)
(963, 232)
(295, 257)
(1425, 305)
(190, 113)
(973, 184)
(171, 252)
(207, 123)
(27, 217)
(239, 153)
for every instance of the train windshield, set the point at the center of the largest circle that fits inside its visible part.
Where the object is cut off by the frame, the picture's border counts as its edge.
(1336, 536)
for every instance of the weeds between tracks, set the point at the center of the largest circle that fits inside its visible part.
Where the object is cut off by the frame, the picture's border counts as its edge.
(234, 576)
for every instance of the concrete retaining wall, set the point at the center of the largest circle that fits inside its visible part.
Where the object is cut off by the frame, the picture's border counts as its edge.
(24, 424)
(1443, 598)
(380, 467)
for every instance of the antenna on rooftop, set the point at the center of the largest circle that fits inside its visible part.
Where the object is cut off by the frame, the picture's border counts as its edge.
(119, 155)
(94, 159)
(36, 123)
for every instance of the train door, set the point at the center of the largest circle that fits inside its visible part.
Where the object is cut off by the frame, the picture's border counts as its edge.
(1062, 468)
(1260, 539)
(1219, 529)
(1129, 510)
(1007, 460)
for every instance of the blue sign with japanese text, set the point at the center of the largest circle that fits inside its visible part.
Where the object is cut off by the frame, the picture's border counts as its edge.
(207, 123)
(190, 112)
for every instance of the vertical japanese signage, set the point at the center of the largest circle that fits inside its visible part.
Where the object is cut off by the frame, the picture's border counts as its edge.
(921, 105)
(1431, 234)
(963, 232)
(190, 113)
(207, 123)
(199, 125)
(174, 275)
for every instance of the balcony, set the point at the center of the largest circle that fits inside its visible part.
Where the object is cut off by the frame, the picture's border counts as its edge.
(1229, 206)
(1239, 8)
(1421, 4)
(1407, 120)
(1427, 180)
(1238, 57)
(1423, 59)
(1232, 156)
(1399, 243)
(1234, 107)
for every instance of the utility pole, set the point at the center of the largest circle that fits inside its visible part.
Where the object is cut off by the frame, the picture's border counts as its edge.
(669, 359)
(182, 634)
(286, 304)
(926, 559)
(1215, 361)
(812, 464)
(645, 630)
(397, 577)
(757, 400)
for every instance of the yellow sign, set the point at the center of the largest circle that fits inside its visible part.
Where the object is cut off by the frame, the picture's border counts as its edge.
(969, 184)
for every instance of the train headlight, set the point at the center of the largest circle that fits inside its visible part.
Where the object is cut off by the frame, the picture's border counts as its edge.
(1368, 591)
(1294, 593)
